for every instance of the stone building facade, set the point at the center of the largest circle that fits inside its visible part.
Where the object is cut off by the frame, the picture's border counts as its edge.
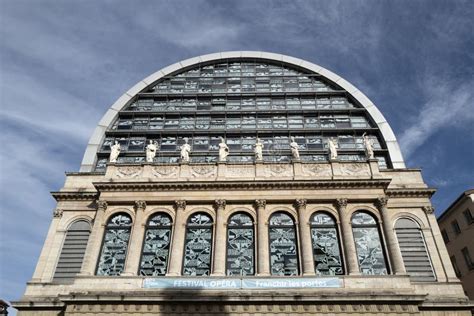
(457, 229)
(288, 233)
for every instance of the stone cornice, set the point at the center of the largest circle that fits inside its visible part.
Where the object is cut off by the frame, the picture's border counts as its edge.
(244, 185)
(74, 196)
(408, 192)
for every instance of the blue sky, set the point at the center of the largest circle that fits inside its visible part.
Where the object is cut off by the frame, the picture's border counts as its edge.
(64, 63)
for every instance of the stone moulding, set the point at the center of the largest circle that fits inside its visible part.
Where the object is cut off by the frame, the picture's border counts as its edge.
(244, 185)
(415, 192)
(74, 196)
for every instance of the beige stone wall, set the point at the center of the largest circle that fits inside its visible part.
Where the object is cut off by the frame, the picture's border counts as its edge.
(260, 190)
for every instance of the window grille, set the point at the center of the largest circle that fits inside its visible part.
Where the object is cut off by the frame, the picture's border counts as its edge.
(198, 245)
(240, 245)
(283, 246)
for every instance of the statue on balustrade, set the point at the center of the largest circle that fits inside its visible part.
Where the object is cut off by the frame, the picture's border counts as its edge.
(294, 149)
(114, 152)
(332, 145)
(258, 150)
(369, 147)
(185, 151)
(151, 150)
(223, 150)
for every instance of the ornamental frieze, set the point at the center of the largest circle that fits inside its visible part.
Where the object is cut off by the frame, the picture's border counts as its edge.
(129, 172)
(165, 171)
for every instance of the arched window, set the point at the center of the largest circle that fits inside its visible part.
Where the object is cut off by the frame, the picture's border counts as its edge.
(156, 245)
(72, 253)
(283, 247)
(368, 244)
(326, 250)
(240, 245)
(115, 244)
(198, 245)
(412, 245)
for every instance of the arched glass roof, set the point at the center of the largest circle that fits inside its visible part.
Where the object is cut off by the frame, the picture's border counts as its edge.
(241, 96)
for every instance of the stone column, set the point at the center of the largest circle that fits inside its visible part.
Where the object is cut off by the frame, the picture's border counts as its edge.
(95, 240)
(263, 254)
(398, 267)
(305, 238)
(177, 247)
(221, 237)
(350, 253)
(136, 240)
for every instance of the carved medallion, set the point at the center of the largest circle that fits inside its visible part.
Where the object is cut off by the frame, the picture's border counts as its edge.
(317, 170)
(165, 171)
(353, 169)
(281, 170)
(128, 172)
(240, 171)
(203, 171)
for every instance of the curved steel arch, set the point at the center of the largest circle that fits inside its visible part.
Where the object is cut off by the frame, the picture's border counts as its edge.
(97, 137)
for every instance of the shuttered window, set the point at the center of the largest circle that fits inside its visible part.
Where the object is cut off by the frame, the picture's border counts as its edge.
(72, 253)
(412, 245)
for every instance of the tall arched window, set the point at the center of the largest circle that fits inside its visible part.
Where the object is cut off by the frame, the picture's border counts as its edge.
(283, 247)
(72, 253)
(240, 245)
(412, 245)
(326, 250)
(156, 245)
(368, 244)
(198, 245)
(115, 244)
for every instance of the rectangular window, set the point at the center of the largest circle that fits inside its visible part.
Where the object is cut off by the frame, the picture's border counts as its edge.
(469, 217)
(455, 266)
(444, 233)
(456, 227)
(467, 258)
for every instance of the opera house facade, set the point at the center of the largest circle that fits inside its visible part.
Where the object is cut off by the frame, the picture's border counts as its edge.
(243, 183)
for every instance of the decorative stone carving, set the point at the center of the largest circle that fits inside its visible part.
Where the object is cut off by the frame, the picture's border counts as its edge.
(279, 170)
(381, 203)
(165, 171)
(258, 150)
(332, 145)
(354, 169)
(260, 203)
(203, 171)
(101, 205)
(341, 203)
(180, 204)
(220, 204)
(223, 150)
(140, 205)
(428, 209)
(299, 203)
(114, 152)
(240, 171)
(128, 172)
(58, 213)
(317, 169)
(294, 149)
(151, 150)
(369, 147)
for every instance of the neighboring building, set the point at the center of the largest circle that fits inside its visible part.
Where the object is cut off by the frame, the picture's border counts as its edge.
(457, 229)
(281, 229)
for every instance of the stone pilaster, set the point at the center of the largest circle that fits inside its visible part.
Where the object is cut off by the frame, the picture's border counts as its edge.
(398, 267)
(447, 273)
(305, 238)
(136, 240)
(350, 253)
(221, 237)
(177, 247)
(95, 240)
(263, 252)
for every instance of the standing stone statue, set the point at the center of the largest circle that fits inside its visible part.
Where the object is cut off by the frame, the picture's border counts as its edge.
(294, 149)
(223, 150)
(185, 151)
(369, 147)
(151, 150)
(258, 150)
(332, 148)
(114, 152)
